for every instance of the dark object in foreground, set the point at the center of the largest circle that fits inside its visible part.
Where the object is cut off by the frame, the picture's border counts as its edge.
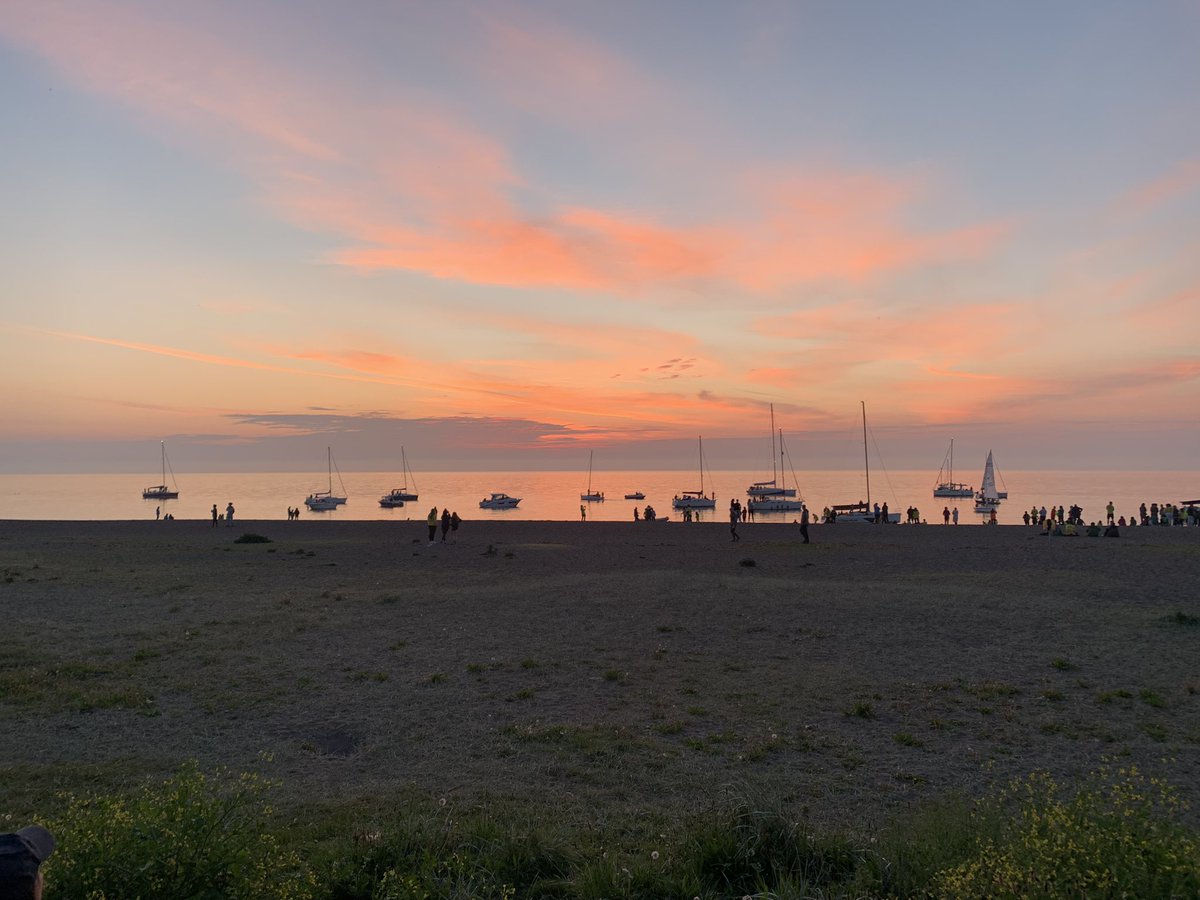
(250, 538)
(21, 853)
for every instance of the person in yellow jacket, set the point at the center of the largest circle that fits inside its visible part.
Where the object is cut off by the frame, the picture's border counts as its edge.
(432, 521)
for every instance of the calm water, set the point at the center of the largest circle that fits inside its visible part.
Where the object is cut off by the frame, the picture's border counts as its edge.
(555, 495)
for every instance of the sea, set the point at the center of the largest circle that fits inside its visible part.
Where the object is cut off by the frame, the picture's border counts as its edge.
(555, 496)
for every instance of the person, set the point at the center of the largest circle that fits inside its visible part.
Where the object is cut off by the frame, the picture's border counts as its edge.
(214, 515)
(582, 513)
(445, 524)
(877, 513)
(1112, 530)
(804, 523)
(954, 515)
(636, 515)
(945, 515)
(432, 521)
(21, 855)
(992, 519)
(1026, 517)
(1093, 530)
(455, 521)
(229, 514)
(157, 512)
(884, 512)
(735, 514)
(1111, 509)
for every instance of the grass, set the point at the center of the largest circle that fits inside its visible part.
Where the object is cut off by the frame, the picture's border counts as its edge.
(1120, 833)
(861, 709)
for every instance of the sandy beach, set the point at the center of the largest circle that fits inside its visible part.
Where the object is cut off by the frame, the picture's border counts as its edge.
(599, 665)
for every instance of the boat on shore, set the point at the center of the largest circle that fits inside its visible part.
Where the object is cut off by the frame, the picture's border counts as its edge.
(696, 499)
(161, 491)
(397, 497)
(499, 501)
(948, 487)
(862, 511)
(323, 501)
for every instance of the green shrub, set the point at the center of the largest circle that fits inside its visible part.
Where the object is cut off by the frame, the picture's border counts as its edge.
(188, 837)
(1118, 836)
(251, 538)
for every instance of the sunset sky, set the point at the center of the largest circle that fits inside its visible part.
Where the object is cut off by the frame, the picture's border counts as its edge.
(503, 233)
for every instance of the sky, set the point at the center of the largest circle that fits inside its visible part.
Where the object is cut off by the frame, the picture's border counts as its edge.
(505, 234)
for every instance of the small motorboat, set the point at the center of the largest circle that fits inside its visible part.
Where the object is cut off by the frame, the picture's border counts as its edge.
(396, 498)
(636, 495)
(499, 501)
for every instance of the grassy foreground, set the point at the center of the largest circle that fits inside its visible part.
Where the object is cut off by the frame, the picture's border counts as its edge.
(196, 835)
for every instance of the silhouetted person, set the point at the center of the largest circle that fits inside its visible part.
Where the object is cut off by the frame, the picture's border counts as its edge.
(21, 855)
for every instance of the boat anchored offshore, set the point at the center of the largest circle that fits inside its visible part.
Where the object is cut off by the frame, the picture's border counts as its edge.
(696, 499)
(785, 500)
(499, 501)
(591, 496)
(949, 487)
(322, 501)
(636, 495)
(397, 497)
(988, 498)
(161, 491)
(772, 488)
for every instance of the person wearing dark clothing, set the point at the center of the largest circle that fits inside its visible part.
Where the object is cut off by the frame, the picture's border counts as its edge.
(735, 515)
(455, 521)
(445, 524)
(214, 515)
(804, 524)
(21, 855)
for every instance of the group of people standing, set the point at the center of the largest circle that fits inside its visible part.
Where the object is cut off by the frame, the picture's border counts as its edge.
(228, 516)
(449, 522)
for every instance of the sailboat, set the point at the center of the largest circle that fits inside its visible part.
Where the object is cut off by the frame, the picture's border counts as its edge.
(591, 496)
(861, 511)
(780, 502)
(161, 491)
(988, 497)
(771, 488)
(319, 501)
(696, 499)
(950, 487)
(397, 496)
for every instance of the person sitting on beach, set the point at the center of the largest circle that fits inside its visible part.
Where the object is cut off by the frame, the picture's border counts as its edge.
(1112, 531)
(1093, 530)
(21, 855)
(1047, 528)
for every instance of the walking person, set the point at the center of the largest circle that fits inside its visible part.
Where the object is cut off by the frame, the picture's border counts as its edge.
(229, 514)
(432, 521)
(735, 516)
(214, 515)
(445, 524)
(804, 523)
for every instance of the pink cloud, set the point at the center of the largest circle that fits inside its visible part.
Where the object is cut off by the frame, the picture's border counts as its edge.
(409, 185)
(1182, 180)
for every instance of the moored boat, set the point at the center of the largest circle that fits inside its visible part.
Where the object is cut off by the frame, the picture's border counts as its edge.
(322, 501)
(499, 501)
(948, 487)
(161, 491)
(696, 499)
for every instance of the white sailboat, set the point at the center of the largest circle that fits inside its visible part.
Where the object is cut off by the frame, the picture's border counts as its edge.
(591, 496)
(398, 496)
(696, 499)
(319, 501)
(988, 498)
(771, 488)
(161, 491)
(783, 501)
(862, 511)
(949, 487)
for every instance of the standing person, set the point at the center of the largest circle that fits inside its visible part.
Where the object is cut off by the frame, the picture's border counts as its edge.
(954, 515)
(229, 514)
(455, 521)
(945, 515)
(884, 511)
(157, 511)
(1111, 509)
(735, 515)
(1042, 515)
(445, 524)
(582, 513)
(21, 855)
(636, 514)
(214, 515)
(992, 520)
(804, 523)
(432, 521)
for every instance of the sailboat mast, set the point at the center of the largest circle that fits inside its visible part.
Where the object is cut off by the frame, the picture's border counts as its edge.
(866, 458)
(773, 474)
(782, 476)
(951, 460)
(163, 446)
(329, 465)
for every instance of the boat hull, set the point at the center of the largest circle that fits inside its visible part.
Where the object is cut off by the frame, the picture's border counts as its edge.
(592, 498)
(159, 494)
(694, 503)
(773, 504)
(953, 490)
(389, 503)
(637, 496)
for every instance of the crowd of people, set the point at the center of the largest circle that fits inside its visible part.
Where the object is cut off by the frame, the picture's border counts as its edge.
(1168, 514)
